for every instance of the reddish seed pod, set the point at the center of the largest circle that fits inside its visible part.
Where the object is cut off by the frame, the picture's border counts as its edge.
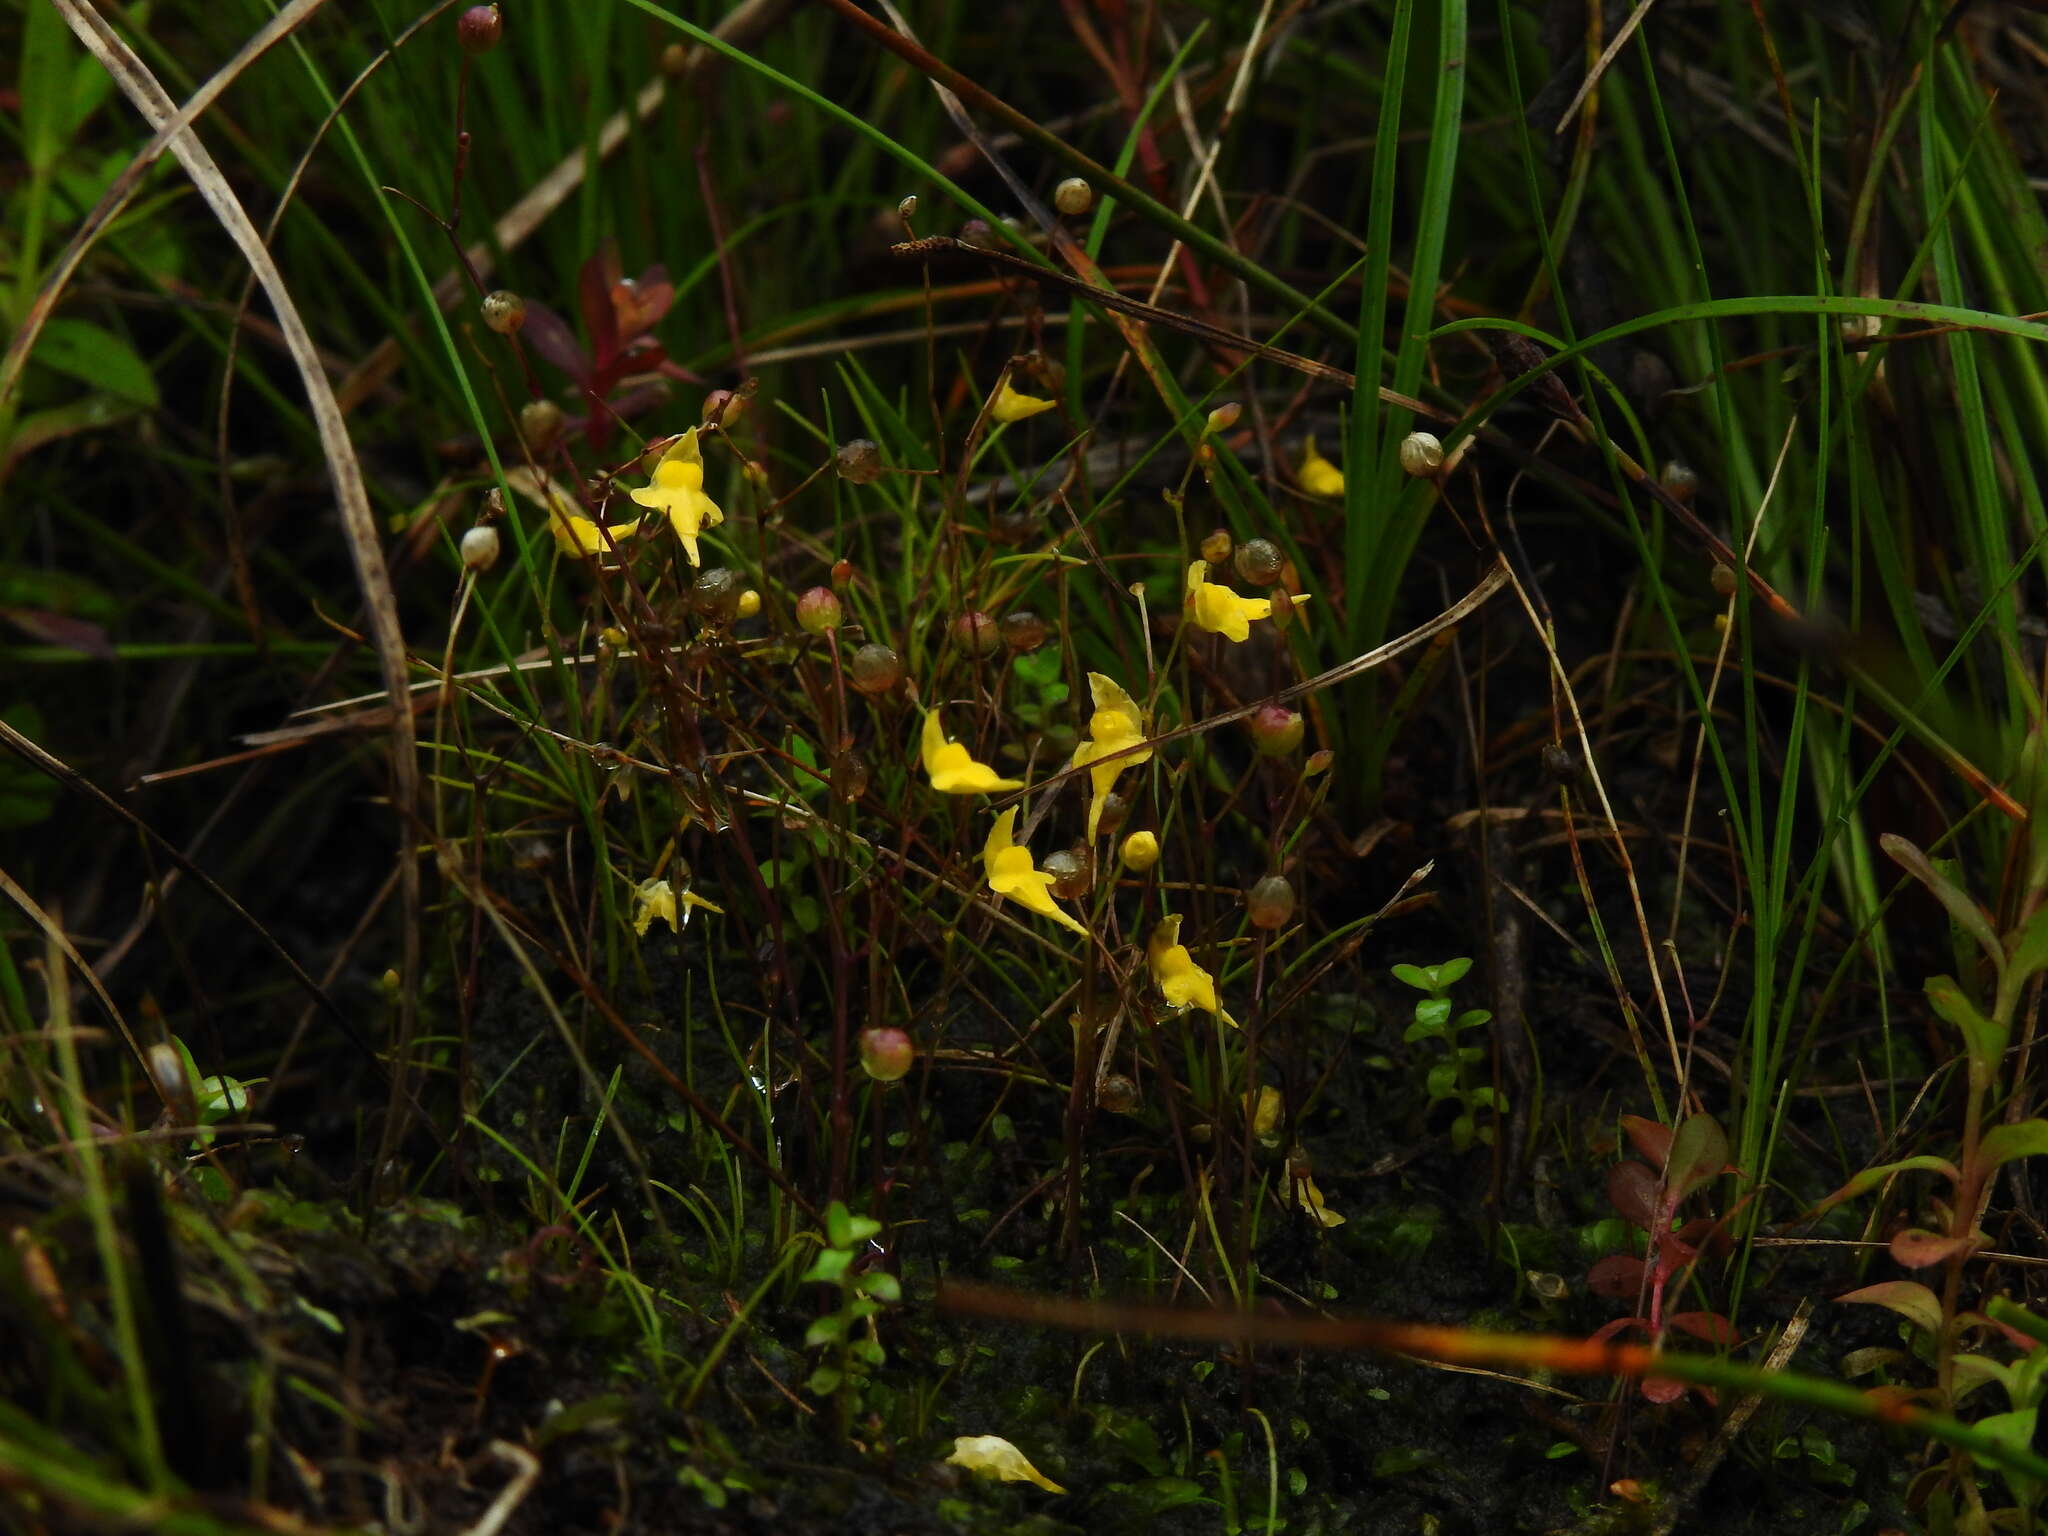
(1118, 1094)
(1276, 730)
(503, 311)
(1260, 562)
(715, 594)
(849, 774)
(874, 669)
(1069, 868)
(1270, 903)
(977, 634)
(480, 29)
(1024, 630)
(886, 1054)
(842, 573)
(1216, 548)
(818, 611)
(859, 462)
(1723, 578)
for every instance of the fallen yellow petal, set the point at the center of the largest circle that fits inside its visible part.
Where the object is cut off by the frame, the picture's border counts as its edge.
(993, 1456)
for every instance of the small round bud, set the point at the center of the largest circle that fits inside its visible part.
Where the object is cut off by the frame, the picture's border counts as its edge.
(724, 407)
(1720, 623)
(886, 1054)
(1318, 762)
(849, 774)
(1270, 903)
(1276, 730)
(1140, 852)
(1024, 630)
(715, 594)
(874, 669)
(1421, 454)
(674, 60)
(859, 461)
(1073, 196)
(1680, 481)
(1118, 1094)
(480, 548)
(1069, 870)
(540, 424)
(907, 209)
(977, 634)
(748, 605)
(1723, 578)
(1216, 548)
(503, 310)
(1224, 417)
(818, 611)
(1559, 763)
(1260, 562)
(842, 573)
(480, 29)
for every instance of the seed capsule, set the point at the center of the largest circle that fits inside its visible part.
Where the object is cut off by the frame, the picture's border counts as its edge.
(480, 29)
(540, 424)
(1260, 562)
(1118, 1094)
(1073, 196)
(1069, 870)
(503, 310)
(1723, 578)
(858, 462)
(1217, 547)
(818, 610)
(1270, 903)
(1276, 730)
(886, 1054)
(1224, 417)
(1024, 630)
(715, 594)
(749, 604)
(1421, 453)
(480, 549)
(874, 669)
(977, 634)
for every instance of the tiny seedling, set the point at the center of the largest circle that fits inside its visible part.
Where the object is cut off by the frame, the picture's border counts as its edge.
(1451, 1077)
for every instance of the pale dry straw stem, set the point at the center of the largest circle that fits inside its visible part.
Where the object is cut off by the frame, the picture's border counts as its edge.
(154, 103)
(169, 121)
(1600, 65)
(1699, 750)
(1628, 868)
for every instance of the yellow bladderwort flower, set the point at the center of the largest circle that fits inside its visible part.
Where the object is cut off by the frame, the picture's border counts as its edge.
(953, 769)
(677, 491)
(1221, 611)
(1183, 983)
(1117, 723)
(1310, 1199)
(1264, 1110)
(1014, 405)
(993, 1456)
(580, 536)
(659, 899)
(1317, 475)
(1011, 872)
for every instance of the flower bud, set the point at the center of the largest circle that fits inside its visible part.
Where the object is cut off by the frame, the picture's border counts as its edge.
(874, 669)
(1276, 730)
(724, 407)
(1140, 852)
(842, 573)
(818, 610)
(907, 209)
(715, 594)
(503, 310)
(1024, 630)
(480, 29)
(1260, 562)
(977, 634)
(674, 60)
(859, 462)
(749, 604)
(886, 1054)
(1421, 454)
(1318, 762)
(480, 549)
(1069, 870)
(540, 424)
(1073, 196)
(1723, 578)
(1224, 417)
(1270, 903)
(1216, 548)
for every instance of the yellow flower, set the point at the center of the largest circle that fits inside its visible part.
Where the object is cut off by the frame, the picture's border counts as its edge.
(1310, 1199)
(1011, 872)
(580, 536)
(1220, 610)
(1317, 475)
(1014, 405)
(1183, 983)
(677, 490)
(1117, 723)
(1264, 1109)
(658, 899)
(993, 1456)
(1141, 851)
(953, 769)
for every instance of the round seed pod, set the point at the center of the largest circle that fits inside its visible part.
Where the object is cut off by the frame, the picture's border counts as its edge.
(907, 209)
(818, 611)
(1276, 730)
(749, 604)
(1073, 196)
(977, 634)
(1115, 808)
(1421, 454)
(858, 462)
(1680, 480)
(1270, 903)
(503, 310)
(1069, 870)
(1224, 417)
(480, 29)
(480, 547)
(1723, 578)
(715, 594)
(540, 424)
(886, 1053)
(874, 669)
(1260, 562)
(724, 407)
(1217, 547)
(1118, 1094)
(849, 774)
(1024, 630)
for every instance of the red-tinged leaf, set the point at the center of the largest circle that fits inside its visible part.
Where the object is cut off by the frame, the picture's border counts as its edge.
(1909, 1298)
(1916, 1247)
(2003, 1143)
(1699, 1151)
(1607, 1330)
(1870, 1178)
(1650, 1138)
(594, 297)
(1662, 1389)
(549, 335)
(1710, 1326)
(1632, 1190)
(1619, 1277)
(61, 629)
(641, 302)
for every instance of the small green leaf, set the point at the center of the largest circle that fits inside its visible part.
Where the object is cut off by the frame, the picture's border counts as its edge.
(829, 1267)
(1983, 1039)
(2030, 954)
(1414, 976)
(1968, 916)
(1451, 972)
(2003, 1143)
(829, 1329)
(881, 1285)
(98, 357)
(824, 1381)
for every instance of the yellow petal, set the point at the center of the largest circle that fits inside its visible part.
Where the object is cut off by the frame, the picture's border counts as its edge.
(1181, 982)
(677, 492)
(953, 770)
(1013, 405)
(578, 535)
(654, 899)
(993, 1456)
(1310, 1199)
(1011, 873)
(1317, 475)
(1264, 1110)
